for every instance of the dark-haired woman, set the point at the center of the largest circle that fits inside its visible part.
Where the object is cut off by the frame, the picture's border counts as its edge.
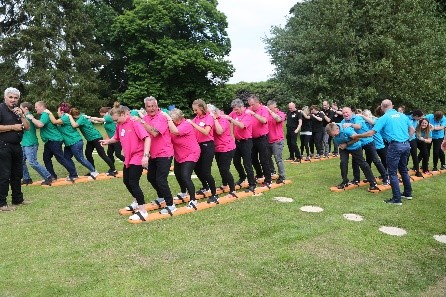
(438, 123)
(423, 135)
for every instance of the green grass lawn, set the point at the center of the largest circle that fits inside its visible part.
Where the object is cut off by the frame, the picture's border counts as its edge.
(71, 241)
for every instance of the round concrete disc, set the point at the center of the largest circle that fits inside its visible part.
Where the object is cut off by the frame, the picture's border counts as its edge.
(352, 217)
(311, 208)
(393, 231)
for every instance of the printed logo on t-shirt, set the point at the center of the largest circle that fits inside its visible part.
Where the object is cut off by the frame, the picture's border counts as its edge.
(293, 116)
(122, 133)
(201, 124)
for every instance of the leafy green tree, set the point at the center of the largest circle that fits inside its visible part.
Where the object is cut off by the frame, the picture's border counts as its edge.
(357, 52)
(174, 50)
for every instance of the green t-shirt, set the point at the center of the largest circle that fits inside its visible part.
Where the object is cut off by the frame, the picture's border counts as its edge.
(49, 131)
(134, 113)
(29, 136)
(70, 135)
(109, 125)
(88, 130)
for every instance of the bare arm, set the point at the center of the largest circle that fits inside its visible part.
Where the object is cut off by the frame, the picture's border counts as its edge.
(204, 130)
(52, 118)
(35, 121)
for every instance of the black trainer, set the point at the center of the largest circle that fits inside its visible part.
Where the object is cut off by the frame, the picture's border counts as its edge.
(393, 202)
(280, 180)
(343, 185)
(26, 182)
(213, 199)
(46, 182)
(374, 187)
(250, 189)
(418, 174)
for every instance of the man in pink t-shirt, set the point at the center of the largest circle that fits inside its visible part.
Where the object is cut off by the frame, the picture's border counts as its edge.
(161, 154)
(242, 126)
(260, 116)
(276, 138)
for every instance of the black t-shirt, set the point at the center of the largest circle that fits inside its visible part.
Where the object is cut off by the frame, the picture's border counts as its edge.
(7, 117)
(306, 124)
(292, 119)
(337, 118)
(317, 126)
(329, 113)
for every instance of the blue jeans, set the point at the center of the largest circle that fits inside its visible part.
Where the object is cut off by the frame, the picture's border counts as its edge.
(54, 148)
(77, 150)
(397, 156)
(30, 154)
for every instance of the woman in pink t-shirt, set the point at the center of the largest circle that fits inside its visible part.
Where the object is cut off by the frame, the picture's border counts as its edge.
(204, 126)
(224, 147)
(136, 146)
(186, 153)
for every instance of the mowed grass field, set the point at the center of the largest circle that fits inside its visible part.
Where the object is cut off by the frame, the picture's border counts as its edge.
(71, 241)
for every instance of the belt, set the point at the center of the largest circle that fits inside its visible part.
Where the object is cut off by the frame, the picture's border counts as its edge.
(8, 143)
(266, 135)
(402, 142)
(242, 140)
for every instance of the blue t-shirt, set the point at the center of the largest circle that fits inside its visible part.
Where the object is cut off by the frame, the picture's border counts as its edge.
(345, 136)
(379, 142)
(394, 126)
(437, 134)
(414, 124)
(364, 128)
(423, 134)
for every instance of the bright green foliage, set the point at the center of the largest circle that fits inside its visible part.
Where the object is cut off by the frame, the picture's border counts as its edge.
(174, 50)
(48, 51)
(357, 52)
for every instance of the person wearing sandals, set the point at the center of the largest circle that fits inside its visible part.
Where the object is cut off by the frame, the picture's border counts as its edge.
(242, 128)
(113, 149)
(343, 136)
(12, 124)
(438, 123)
(74, 145)
(276, 139)
(136, 146)
(423, 135)
(52, 140)
(293, 125)
(186, 153)
(224, 148)
(161, 153)
(396, 130)
(30, 145)
(93, 137)
(204, 130)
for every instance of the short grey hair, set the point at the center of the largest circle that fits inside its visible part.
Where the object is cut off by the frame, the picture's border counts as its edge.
(271, 102)
(150, 98)
(213, 108)
(12, 91)
(237, 103)
(176, 114)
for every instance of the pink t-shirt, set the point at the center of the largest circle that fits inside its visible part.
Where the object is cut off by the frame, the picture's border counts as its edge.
(185, 144)
(258, 128)
(246, 119)
(161, 144)
(224, 142)
(203, 121)
(276, 128)
(131, 134)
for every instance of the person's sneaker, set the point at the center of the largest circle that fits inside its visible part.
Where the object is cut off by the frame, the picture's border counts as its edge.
(71, 179)
(47, 182)
(374, 188)
(342, 185)
(202, 191)
(393, 201)
(168, 210)
(213, 199)
(408, 197)
(132, 207)
(326, 156)
(24, 202)
(443, 167)
(250, 189)
(94, 174)
(112, 172)
(7, 208)
(87, 174)
(317, 157)
(139, 216)
(180, 196)
(158, 201)
(435, 169)
(298, 160)
(280, 180)
(266, 184)
(26, 182)
(192, 204)
(418, 174)
(308, 158)
(427, 172)
(365, 180)
(386, 183)
(258, 177)
(355, 182)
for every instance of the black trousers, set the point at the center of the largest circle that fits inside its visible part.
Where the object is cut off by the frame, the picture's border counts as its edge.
(382, 153)
(115, 149)
(291, 139)
(437, 153)
(131, 176)
(183, 172)
(158, 170)
(243, 150)
(11, 172)
(357, 161)
(372, 157)
(424, 155)
(95, 144)
(305, 144)
(204, 166)
(260, 157)
(316, 140)
(224, 160)
(414, 154)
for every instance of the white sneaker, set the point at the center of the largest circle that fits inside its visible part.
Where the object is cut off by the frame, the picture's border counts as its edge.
(182, 195)
(133, 206)
(139, 216)
(192, 204)
(169, 210)
(158, 201)
(93, 175)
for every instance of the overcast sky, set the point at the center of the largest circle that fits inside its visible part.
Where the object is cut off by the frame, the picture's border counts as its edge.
(248, 22)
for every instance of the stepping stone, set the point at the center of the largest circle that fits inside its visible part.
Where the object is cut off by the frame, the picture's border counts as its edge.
(440, 238)
(283, 199)
(393, 231)
(352, 217)
(311, 208)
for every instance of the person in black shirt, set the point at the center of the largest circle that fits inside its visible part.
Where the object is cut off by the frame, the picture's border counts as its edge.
(317, 129)
(293, 125)
(337, 118)
(328, 117)
(12, 124)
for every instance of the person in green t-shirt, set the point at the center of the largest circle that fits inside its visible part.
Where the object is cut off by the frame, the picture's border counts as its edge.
(53, 143)
(30, 145)
(93, 136)
(74, 144)
(110, 128)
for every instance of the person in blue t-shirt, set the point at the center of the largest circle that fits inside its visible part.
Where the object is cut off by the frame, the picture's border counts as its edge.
(438, 123)
(347, 146)
(423, 136)
(396, 130)
(414, 118)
